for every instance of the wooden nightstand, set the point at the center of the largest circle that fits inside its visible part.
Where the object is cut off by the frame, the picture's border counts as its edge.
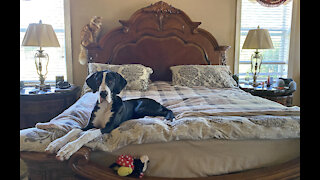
(43, 106)
(271, 93)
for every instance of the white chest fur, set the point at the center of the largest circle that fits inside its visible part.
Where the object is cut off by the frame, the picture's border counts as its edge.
(103, 115)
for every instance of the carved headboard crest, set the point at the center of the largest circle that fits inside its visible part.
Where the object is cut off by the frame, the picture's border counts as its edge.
(161, 10)
(161, 7)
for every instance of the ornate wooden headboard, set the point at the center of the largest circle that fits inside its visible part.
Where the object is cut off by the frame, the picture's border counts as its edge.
(158, 36)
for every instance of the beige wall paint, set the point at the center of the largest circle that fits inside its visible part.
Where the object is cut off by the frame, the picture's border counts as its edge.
(216, 16)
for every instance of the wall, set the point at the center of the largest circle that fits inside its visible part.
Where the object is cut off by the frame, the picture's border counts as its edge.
(217, 16)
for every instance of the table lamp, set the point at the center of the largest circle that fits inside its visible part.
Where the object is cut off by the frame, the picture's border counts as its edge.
(257, 39)
(41, 35)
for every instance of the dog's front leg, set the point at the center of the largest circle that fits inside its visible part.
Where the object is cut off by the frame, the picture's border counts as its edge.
(72, 147)
(55, 145)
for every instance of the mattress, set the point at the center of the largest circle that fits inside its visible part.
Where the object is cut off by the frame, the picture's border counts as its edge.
(185, 159)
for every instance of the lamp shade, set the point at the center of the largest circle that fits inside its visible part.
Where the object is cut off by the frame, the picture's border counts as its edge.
(40, 35)
(258, 39)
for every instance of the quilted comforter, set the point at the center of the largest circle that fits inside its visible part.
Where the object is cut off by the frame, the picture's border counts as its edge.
(201, 113)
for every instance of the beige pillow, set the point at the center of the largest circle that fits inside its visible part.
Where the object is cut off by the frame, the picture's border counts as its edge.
(217, 76)
(137, 75)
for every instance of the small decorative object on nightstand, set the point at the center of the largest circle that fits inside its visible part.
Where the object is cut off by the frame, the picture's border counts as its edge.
(43, 105)
(59, 79)
(282, 95)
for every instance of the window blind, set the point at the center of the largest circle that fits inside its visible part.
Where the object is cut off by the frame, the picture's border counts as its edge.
(278, 22)
(50, 12)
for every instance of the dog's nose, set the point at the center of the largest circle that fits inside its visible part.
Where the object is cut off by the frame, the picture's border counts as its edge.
(103, 94)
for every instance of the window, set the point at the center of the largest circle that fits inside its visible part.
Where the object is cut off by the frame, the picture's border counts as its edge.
(278, 22)
(49, 12)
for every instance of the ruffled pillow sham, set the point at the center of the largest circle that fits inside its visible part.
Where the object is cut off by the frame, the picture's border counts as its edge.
(216, 76)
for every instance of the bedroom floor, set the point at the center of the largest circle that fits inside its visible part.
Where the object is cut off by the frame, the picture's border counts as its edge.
(23, 171)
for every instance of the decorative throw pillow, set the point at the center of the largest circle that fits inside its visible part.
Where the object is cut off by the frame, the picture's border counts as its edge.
(217, 76)
(137, 75)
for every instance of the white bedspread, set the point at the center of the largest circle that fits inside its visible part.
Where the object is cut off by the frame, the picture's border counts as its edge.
(201, 113)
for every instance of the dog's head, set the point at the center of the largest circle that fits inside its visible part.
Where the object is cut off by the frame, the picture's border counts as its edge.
(107, 82)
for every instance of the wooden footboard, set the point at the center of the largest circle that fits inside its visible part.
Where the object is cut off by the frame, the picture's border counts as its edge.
(79, 166)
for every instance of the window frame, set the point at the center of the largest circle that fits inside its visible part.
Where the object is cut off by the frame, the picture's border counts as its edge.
(68, 47)
(68, 40)
(238, 48)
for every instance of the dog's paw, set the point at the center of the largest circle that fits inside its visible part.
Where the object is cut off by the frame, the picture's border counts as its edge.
(54, 146)
(57, 144)
(66, 151)
(170, 116)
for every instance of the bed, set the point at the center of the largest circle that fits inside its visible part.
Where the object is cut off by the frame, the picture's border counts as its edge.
(219, 132)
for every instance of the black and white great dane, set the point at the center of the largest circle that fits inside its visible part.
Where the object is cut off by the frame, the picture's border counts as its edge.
(109, 112)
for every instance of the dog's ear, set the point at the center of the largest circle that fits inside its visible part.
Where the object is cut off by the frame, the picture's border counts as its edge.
(120, 83)
(92, 82)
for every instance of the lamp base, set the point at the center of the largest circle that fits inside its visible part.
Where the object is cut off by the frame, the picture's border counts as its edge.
(43, 86)
(255, 83)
